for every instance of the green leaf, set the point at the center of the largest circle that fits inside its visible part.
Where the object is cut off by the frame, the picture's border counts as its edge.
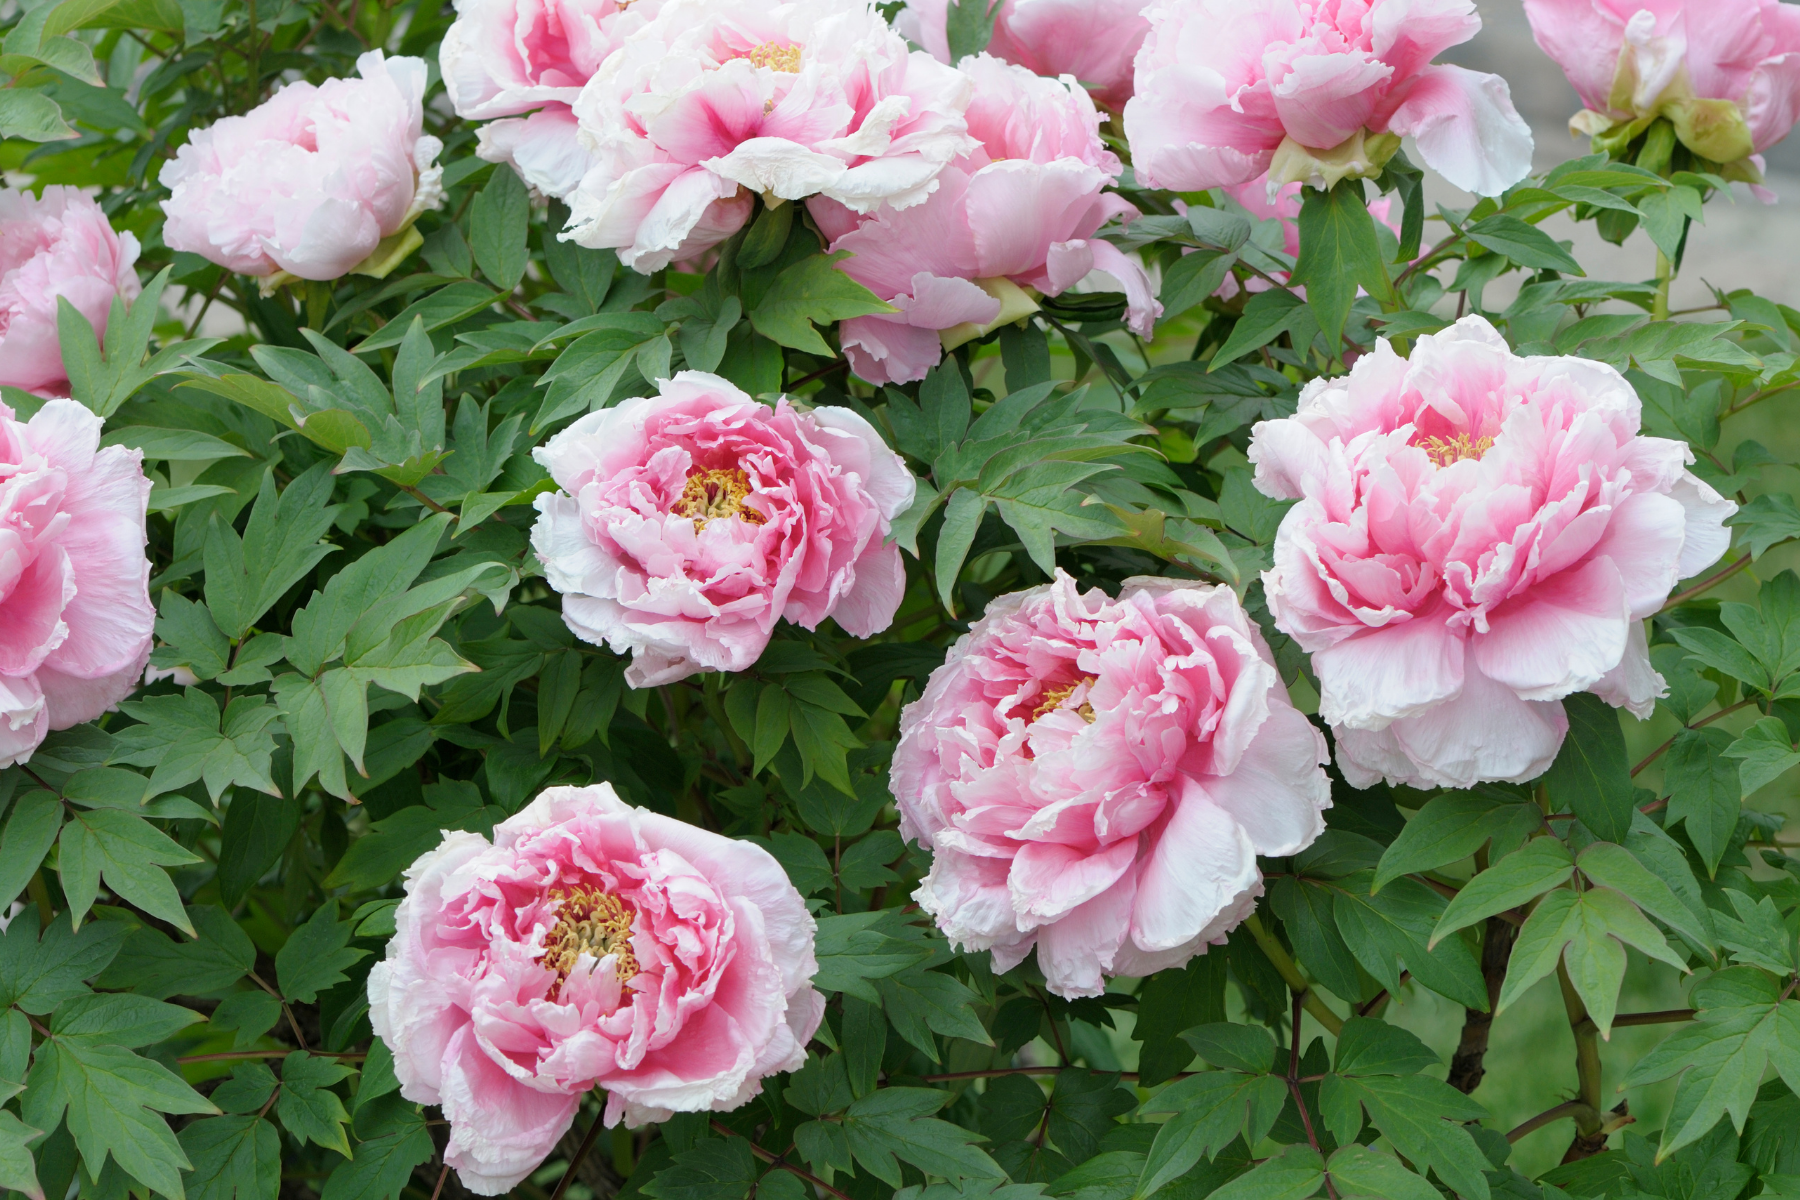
(1450, 828)
(394, 843)
(969, 26)
(1522, 876)
(712, 1169)
(235, 1158)
(1266, 317)
(112, 1098)
(1588, 933)
(33, 116)
(1767, 520)
(1756, 935)
(498, 224)
(1393, 928)
(307, 1107)
(151, 964)
(1721, 1059)
(17, 1170)
(255, 832)
(30, 830)
(1228, 1045)
(128, 852)
(382, 1164)
(1211, 1110)
(1293, 1174)
(186, 738)
(1765, 752)
(920, 1002)
(1705, 790)
(813, 289)
(1358, 1172)
(962, 518)
(1524, 244)
(1420, 1115)
(121, 1018)
(1338, 254)
(1371, 1047)
(1174, 1000)
(1083, 1106)
(896, 1122)
(244, 577)
(316, 955)
(1617, 868)
(1591, 774)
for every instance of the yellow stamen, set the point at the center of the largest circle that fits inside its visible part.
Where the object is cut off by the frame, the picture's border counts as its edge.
(716, 493)
(777, 56)
(1053, 699)
(588, 921)
(1444, 452)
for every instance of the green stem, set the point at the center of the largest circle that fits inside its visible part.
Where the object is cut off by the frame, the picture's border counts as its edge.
(1665, 274)
(1587, 1059)
(1290, 972)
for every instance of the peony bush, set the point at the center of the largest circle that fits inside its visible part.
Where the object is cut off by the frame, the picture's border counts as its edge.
(695, 600)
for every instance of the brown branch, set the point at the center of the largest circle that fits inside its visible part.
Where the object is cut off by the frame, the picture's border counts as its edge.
(1706, 584)
(1468, 1064)
(1708, 720)
(299, 1038)
(776, 1160)
(581, 1152)
(1667, 1016)
(1547, 1117)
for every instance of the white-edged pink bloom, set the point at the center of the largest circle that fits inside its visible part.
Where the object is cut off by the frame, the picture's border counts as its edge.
(1020, 210)
(591, 944)
(691, 521)
(1478, 535)
(59, 244)
(1095, 778)
(75, 613)
(1725, 72)
(1093, 40)
(1316, 91)
(310, 181)
(715, 101)
(525, 62)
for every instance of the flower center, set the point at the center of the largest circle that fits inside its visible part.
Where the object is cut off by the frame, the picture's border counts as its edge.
(777, 56)
(1054, 698)
(714, 493)
(1443, 451)
(588, 921)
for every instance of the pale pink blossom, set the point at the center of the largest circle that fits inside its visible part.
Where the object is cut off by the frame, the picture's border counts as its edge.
(1018, 211)
(526, 61)
(691, 521)
(715, 101)
(591, 944)
(1095, 778)
(75, 614)
(311, 181)
(1726, 73)
(1316, 91)
(59, 244)
(1478, 535)
(1092, 40)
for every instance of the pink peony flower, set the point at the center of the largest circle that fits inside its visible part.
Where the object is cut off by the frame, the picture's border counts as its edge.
(713, 101)
(75, 614)
(1477, 536)
(691, 521)
(1020, 210)
(1093, 40)
(1095, 778)
(591, 944)
(59, 244)
(1725, 72)
(509, 58)
(310, 182)
(1316, 91)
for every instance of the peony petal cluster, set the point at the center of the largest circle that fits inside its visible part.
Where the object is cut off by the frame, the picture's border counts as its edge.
(713, 102)
(1477, 536)
(1095, 778)
(1315, 91)
(525, 62)
(691, 521)
(75, 614)
(1018, 211)
(590, 944)
(311, 182)
(1093, 40)
(1726, 73)
(59, 244)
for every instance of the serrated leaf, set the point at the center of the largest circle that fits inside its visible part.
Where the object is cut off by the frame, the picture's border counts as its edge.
(316, 955)
(1520, 877)
(1293, 1174)
(129, 853)
(896, 1122)
(1450, 828)
(306, 1106)
(921, 1002)
(234, 1158)
(813, 289)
